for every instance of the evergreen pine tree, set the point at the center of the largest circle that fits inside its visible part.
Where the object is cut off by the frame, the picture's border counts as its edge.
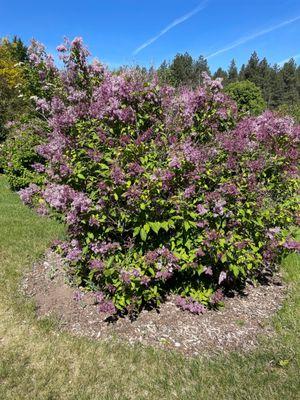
(251, 72)
(289, 78)
(200, 66)
(276, 87)
(242, 73)
(298, 80)
(265, 80)
(18, 49)
(182, 70)
(163, 72)
(220, 73)
(232, 72)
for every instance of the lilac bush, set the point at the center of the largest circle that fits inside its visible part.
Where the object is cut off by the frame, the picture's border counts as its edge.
(162, 190)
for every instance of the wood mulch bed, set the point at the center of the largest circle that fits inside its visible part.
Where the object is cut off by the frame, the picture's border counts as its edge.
(236, 326)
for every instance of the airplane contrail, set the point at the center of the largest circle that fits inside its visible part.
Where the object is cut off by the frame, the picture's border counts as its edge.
(176, 22)
(253, 36)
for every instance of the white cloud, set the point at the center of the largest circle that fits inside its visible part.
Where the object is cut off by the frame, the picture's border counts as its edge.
(176, 22)
(246, 39)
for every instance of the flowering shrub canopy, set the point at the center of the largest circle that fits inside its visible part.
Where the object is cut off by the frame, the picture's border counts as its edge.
(161, 189)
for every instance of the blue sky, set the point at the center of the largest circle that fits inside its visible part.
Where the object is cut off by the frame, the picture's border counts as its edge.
(146, 32)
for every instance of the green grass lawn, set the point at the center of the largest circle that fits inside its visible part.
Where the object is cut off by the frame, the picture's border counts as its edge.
(37, 361)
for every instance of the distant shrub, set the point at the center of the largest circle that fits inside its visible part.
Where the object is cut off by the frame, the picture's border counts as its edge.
(248, 97)
(18, 156)
(162, 190)
(11, 79)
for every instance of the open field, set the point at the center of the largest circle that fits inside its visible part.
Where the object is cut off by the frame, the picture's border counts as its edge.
(37, 361)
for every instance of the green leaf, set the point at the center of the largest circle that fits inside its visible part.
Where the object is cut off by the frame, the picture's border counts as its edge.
(143, 234)
(222, 242)
(165, 226)
(171, 223)
(186, 225)
(235, 269)
(146, 228)
(121, 301)
(224, 258)
(136, 231)
(155, 226)
(103, 166)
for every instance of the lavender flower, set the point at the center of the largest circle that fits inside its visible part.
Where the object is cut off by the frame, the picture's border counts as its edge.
(217, 297)
(38, 167)
(208, 271)
(96, 264)
(104, 247)
(201, 209)
(188, 304)
(189, 192)
(28, 193)
(222, 277)
(78, 295)
(108, 307)
(125, 277)
(292, 245)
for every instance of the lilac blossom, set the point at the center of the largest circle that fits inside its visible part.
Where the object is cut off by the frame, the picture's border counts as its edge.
(272, 232)
(38, 167)
(200, 252)
(222, 277)
(96, 264)
(125, 277)
(94, 221)
(208, 271)
(175, 162)
(27, 194)
(292, 245)
(104, 247)
(58, 196)
(74, 251)
(145, 280)
(108, 307)
(201, 209)
(219, 207)
(117, 175)
(78, 295)
(217, 297)
(188, 304)
(189, 192)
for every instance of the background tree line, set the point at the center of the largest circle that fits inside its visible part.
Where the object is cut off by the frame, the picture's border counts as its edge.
(278, 85)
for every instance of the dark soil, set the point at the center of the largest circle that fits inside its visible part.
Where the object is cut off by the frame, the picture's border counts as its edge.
(237, 325)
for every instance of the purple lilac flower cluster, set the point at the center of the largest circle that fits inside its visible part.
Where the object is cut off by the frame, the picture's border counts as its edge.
(105, 305)
(165, 261)
(188, 304)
